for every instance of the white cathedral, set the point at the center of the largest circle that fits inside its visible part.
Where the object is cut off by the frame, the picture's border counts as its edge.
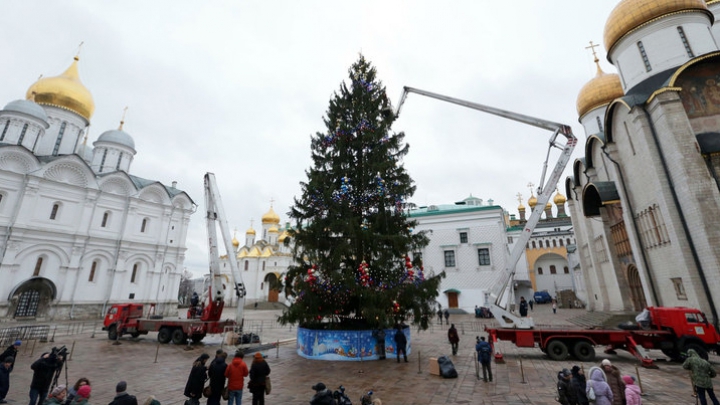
(645, 196)
(78, 232)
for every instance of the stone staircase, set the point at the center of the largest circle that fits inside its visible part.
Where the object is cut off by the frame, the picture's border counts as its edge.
(264, 306)
(603, 320)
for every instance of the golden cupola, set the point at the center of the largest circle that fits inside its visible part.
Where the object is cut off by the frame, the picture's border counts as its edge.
(598, 92)
(270, 217)
(559, 199)
(250, 231)
(629, 15)
(532, 202)
(521, 207)
(64, 91)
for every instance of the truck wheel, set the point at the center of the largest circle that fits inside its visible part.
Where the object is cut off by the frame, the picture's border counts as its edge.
(112, 332)
(584, 351)
(698, 349)
(179, 337)
(557, 350)
(197, 338)
(164, 335)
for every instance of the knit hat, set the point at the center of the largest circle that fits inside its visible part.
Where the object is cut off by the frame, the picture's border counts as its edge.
(57, 390)
(240, 353)
(17, 343)
(565, 372)
(258, 355)
(121, 386)
(9, 359)
(575, 369)
(628, 380)
(319, 386)
(84, 391)
(606, 362)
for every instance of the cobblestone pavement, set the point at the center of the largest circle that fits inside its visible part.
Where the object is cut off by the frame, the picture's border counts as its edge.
(526, 377)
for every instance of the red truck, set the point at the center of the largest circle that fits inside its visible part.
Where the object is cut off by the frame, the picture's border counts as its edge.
(128, 319)
(671, 330)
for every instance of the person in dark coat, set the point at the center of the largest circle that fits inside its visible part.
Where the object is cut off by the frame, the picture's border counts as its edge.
(523, 307)
(454, 339)
(440, 314)
(484, 353)
(259, 370)
(566, 394)
(578, 383)
(447, 317)
(216, 372)
(322, 396)
(400, 344)
(6, 368)
(43, 371)
(11, 351)
(121, 395)
(379, 336)
(614, 380)
(531, 303)
(196, 379)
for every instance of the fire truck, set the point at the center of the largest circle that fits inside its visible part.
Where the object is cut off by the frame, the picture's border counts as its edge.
(128, 318)
(671, 330)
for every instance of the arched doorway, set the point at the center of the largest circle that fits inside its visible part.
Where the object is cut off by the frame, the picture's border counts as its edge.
(452, 297)
(271, 281)
(32, 298)
(637, 295)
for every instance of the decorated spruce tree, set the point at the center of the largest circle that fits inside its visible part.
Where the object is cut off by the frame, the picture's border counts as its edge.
(354, 245)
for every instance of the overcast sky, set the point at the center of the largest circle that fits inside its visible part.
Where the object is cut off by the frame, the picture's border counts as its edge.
(237, 88)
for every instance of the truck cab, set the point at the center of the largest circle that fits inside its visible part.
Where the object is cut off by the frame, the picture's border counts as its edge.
(119, 315)
(690, 327)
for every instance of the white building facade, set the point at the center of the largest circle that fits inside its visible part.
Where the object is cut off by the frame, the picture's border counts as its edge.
(78, 232)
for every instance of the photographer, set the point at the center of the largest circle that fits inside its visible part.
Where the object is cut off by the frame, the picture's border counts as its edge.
(44, 370)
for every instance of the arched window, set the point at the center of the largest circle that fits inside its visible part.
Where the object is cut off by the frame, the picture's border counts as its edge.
(117, 167)
(263, 269)
(554, 243)
(144, 225)
(54, 212)
(134, 273)
(102, 161)
(246, 265)
(262, 286)
(540, 271)
(533, 244)
(7, 124)
(22, 134)
(106, 217)
(566, 270)
(568, 241)
(561, 242)
(93, 268)
(38, 267)
(553, 270)
(59, 139)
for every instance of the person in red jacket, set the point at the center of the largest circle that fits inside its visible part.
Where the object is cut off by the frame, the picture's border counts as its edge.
(236, 372)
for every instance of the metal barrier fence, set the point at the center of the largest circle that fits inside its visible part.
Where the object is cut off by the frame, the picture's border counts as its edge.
(25, 332)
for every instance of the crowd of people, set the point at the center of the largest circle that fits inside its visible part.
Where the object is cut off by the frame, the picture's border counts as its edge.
(605, 386)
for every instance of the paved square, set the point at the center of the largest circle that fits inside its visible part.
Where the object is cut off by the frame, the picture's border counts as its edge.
(527, 377)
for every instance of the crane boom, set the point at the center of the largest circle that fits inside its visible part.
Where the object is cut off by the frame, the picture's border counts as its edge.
(506, 318)
(216, 218)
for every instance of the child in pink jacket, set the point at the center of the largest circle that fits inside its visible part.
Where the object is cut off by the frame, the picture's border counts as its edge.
(632, 391)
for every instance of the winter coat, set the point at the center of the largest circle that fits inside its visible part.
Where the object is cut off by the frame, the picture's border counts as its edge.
(4, 379)
(52, 401)
(196, 381)
(632, 395)
(484, 351)
(523, 308)
(578, 384)
(400, 339)
(9, 352)
(603, 393)
(43, 372)
(617, 385)
(453, 335)
(79, 401)
(216, 372)
(323, 397)
(258, 372)
(566, 396)
(702, 371)
(123, 398)
(236, 372)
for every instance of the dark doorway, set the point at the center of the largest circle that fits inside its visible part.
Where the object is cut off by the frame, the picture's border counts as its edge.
(28, 304)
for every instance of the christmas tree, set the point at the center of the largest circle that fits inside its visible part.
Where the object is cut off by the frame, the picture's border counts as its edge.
(358, 261)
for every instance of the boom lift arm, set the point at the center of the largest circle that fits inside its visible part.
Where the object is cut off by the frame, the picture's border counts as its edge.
(216, 218)
(506, 318)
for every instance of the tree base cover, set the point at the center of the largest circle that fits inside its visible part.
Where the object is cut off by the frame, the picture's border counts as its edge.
(346, 345)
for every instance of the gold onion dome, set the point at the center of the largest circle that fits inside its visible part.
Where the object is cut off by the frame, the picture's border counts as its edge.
(64, 91)
(532, 202)
(273, 230)
(629, 15)
(235, 242)
(250, 231)
(270, 217)
(559, 199)
(521, 207)
(548, 206)
(598, 92)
